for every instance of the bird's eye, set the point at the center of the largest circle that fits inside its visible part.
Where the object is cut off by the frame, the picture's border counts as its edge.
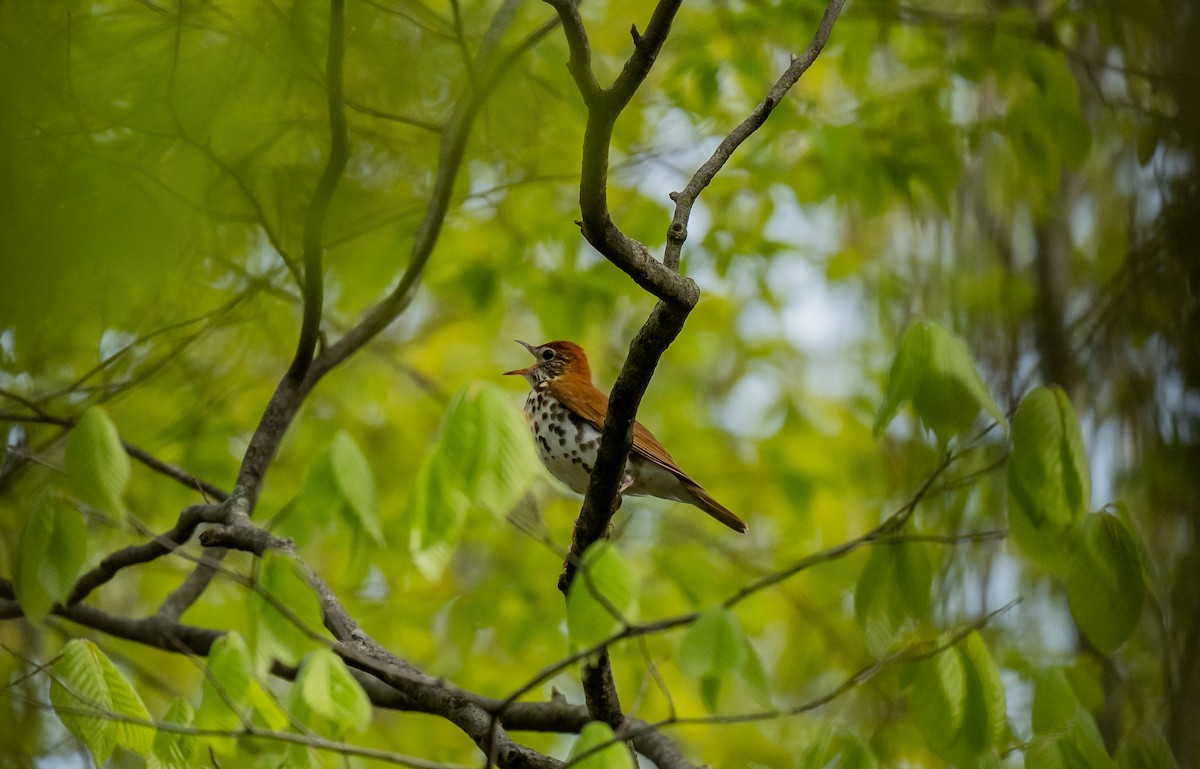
(547, 354)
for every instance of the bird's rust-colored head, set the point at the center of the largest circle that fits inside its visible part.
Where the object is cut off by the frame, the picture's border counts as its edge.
(555, 360)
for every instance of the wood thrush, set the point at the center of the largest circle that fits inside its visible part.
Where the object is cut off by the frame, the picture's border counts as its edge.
(566, 413)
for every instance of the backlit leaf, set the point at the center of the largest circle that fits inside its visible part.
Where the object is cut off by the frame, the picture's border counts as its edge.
(602, 596)
(1105, 588)
(934, 371)
(595, 734)
(96, 702)
(325, 687)
(50, 553)
(893, 590)
(482, 458)
(1049, 484)
(355, 483)
(714, 644)
(284, 613)
(174, 750)
(97, 462)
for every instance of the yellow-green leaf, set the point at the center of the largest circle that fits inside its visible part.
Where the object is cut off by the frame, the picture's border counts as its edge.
(325, 687)
(172, 749)
(591, 737)
(97, 704)
(97, 462)
(50, 553)
(1049, 484)
(933, 370)
(355, 484)
(1105, 587)
(284, 613)
(602, 596)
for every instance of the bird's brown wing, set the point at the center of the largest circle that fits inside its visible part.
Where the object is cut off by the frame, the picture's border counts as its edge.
(590, 403)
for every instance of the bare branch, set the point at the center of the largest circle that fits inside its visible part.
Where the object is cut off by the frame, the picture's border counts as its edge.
(425, 125)
(289, 392)
(912, 653)
(677, 232)
(191, 517)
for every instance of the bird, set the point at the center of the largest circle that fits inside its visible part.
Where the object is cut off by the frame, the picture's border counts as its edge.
(566, 413)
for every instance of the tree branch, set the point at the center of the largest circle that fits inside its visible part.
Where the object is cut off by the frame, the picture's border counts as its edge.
(191, 517)
(677, 232)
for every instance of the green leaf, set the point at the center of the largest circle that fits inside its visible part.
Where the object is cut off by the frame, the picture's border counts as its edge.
(1057, 707)
(232, 696)
(894, 588)
(593, 735)
(933, 370)
(482, 458)
(1073, 748)
(1146, 752)
(714, 645)
(284, 613)
(325, 687)
(87, 682)
(437, 511)
(984, 720)
(1105, 587)
(174, 750)
(940, 698)
(968, 693)
(602, 596)
(355, 483)
(227, 680)
(840, 750)
(1048, 480)
(50, 553)
(79, 689)
(97, 462)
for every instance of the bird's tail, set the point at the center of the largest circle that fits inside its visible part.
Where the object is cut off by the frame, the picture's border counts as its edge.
(714, 508)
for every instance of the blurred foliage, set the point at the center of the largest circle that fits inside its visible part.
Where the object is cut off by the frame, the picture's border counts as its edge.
(1018, 177)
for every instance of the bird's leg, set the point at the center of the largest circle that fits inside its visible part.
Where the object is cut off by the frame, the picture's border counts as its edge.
(626, 482)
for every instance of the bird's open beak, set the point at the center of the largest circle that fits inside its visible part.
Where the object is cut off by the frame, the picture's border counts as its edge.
(522, 371)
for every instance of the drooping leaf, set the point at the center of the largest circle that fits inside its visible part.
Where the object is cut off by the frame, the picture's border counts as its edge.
(1049, 484)
(284, 613)
(227, 679)
(934, 371)
(1143, 751)
(50, 553)
(1071, 748)
(595, 734)
(984, 720)
(97, 704)
(174, 750)
(715, 647)
(232, 696)
(714, 644)
(602, 596)
(437, 511)
(482, 458)
(893, 590)
(968, 691)
(77, 692)
(340, 483)
(325, 687)
(97, 462)
(1056, 706)
(356, 485)
(1105, 586)
(838, 749)
(940, 698)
